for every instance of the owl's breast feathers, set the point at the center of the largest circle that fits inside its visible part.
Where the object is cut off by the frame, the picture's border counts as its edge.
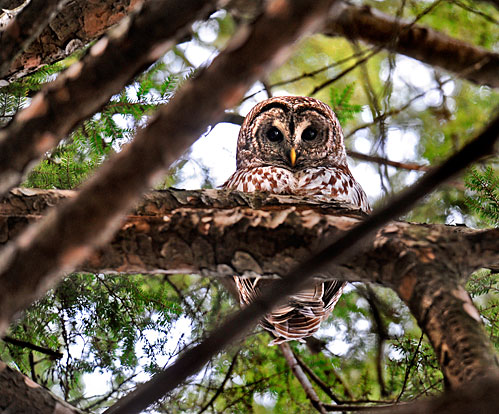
(322, 183)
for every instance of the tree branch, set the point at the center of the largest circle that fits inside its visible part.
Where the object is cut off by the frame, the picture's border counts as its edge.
(323, 386)
(88, 20)
(215, 233)
(481, 396)
(425, 44)
(29, 345)
(222, 385)
(79, 92)
(23, 30)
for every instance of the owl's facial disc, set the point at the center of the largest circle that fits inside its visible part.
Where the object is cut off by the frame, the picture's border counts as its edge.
(294, 133)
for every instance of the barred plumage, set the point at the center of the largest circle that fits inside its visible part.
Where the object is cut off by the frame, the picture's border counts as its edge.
(294, 145)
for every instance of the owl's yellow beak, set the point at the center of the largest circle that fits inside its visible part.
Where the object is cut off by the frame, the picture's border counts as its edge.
(292, 157)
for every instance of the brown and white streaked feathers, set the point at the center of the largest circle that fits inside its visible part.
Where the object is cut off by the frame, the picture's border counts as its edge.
(294, 145)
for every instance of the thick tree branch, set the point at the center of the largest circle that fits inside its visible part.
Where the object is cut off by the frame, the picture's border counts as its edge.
(23, 30)
(87, 85)
(77, 24)
(425, 44)
(215, 233)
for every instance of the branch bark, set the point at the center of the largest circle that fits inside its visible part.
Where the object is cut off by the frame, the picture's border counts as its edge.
(76, 25)
(23, 30)
(425, 44)
(215, 233)
(87, 85)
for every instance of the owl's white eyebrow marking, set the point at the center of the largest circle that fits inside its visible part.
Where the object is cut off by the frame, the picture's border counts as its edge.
(302, 126)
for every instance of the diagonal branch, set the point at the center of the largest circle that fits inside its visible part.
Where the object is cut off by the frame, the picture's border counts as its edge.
(87, 20)
(22, 395)
(87, 85)
(29, 345)
(323, 386)
(222, 385)
(425, 44)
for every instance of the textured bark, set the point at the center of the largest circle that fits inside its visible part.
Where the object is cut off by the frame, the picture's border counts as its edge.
(221, 233)
(23, 30)
(87, 85)
(470, 62)
(77, 24)
(217, 233)
(19, 394)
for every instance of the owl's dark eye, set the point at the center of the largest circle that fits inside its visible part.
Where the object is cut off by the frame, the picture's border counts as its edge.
(274, 135)
(309, 134)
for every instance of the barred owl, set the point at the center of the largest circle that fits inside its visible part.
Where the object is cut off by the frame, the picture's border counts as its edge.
(294, 145)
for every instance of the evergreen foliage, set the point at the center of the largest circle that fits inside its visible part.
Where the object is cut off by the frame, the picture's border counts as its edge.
(484, 200)
(340, 102)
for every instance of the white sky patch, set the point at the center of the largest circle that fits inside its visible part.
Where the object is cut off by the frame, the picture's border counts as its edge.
(215, 151)
(401, 145)
(368, 178)
(197, 53)
(362, 144)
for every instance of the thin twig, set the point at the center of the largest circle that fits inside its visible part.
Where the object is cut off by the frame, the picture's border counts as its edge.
(324, 387)
(409, 367)
(222, 385)
(301, 377)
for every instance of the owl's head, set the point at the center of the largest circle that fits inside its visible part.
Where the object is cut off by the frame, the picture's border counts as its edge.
(292, 132)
